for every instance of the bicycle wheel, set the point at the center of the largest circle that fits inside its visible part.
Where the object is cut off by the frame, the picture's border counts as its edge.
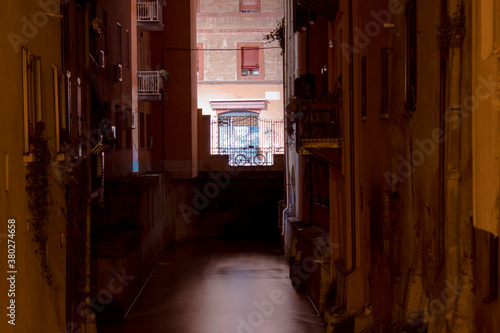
(240, 159)
(259, 159)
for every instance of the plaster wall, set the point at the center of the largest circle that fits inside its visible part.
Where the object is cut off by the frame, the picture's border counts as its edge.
(37, 306)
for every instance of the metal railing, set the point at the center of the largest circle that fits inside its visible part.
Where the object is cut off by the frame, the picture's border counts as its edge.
(149, 10)
(318, 121)
(148, 82)
(248, 141)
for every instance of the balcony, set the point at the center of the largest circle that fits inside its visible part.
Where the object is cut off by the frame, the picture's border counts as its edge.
(150, 85)
(150, 15)
(318, 126)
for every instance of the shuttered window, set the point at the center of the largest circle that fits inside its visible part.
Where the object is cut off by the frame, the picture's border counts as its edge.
(249, 61)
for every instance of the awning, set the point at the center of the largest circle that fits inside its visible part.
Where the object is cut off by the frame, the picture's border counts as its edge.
(246, 104)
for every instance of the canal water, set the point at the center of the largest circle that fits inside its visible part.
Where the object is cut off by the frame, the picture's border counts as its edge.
(220, 285)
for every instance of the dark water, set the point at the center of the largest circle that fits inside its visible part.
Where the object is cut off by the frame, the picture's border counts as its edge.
(220, 286)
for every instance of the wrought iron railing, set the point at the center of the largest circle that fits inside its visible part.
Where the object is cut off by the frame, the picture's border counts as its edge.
(148, 82)
(149, 10)
(247, 140)
(318, 122)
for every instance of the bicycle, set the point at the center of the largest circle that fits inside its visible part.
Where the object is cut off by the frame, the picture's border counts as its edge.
(242, 159)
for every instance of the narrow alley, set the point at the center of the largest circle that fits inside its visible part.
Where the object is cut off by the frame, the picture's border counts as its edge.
(250, 166)
(220, 285)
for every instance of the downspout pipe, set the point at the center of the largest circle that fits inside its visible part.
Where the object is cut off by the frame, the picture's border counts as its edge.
(285, 88)
(290, 198)
(288, 207)
(351, 144)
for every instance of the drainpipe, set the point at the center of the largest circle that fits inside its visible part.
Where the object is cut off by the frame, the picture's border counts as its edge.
(289, 206)
(351, 145)
(285, 94)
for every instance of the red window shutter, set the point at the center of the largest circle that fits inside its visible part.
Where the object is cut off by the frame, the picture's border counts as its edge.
(249, 58)
(249, 5)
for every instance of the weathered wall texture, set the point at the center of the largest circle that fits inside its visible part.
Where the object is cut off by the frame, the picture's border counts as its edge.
(409, 182)
(37, 306)
(221, 31)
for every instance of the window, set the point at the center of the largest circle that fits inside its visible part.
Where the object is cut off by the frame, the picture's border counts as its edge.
(119, 41)
(363, 89)
(411, 56)
(384, 80)
(127, 48)
(249, 6)
(249, 61)
(31, 86)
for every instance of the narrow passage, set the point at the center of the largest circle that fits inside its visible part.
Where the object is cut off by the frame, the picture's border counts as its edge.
(220, 286)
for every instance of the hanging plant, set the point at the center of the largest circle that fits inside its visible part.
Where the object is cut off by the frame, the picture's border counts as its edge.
(97, 25)
(71, 178)
(39, 199)
(167, 78)
(292, 115)
(165, 75)
(278, 34)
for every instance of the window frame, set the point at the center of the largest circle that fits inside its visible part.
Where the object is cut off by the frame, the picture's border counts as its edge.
(242, 4)
(240, 47)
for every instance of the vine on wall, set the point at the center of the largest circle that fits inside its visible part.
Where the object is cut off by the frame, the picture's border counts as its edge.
(73, 182)
(278, 34)
(451, 30)
(39, 199)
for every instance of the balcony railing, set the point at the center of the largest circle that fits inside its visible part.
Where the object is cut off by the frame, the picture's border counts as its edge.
(149, 85)
(318, 125)
(150, 15)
